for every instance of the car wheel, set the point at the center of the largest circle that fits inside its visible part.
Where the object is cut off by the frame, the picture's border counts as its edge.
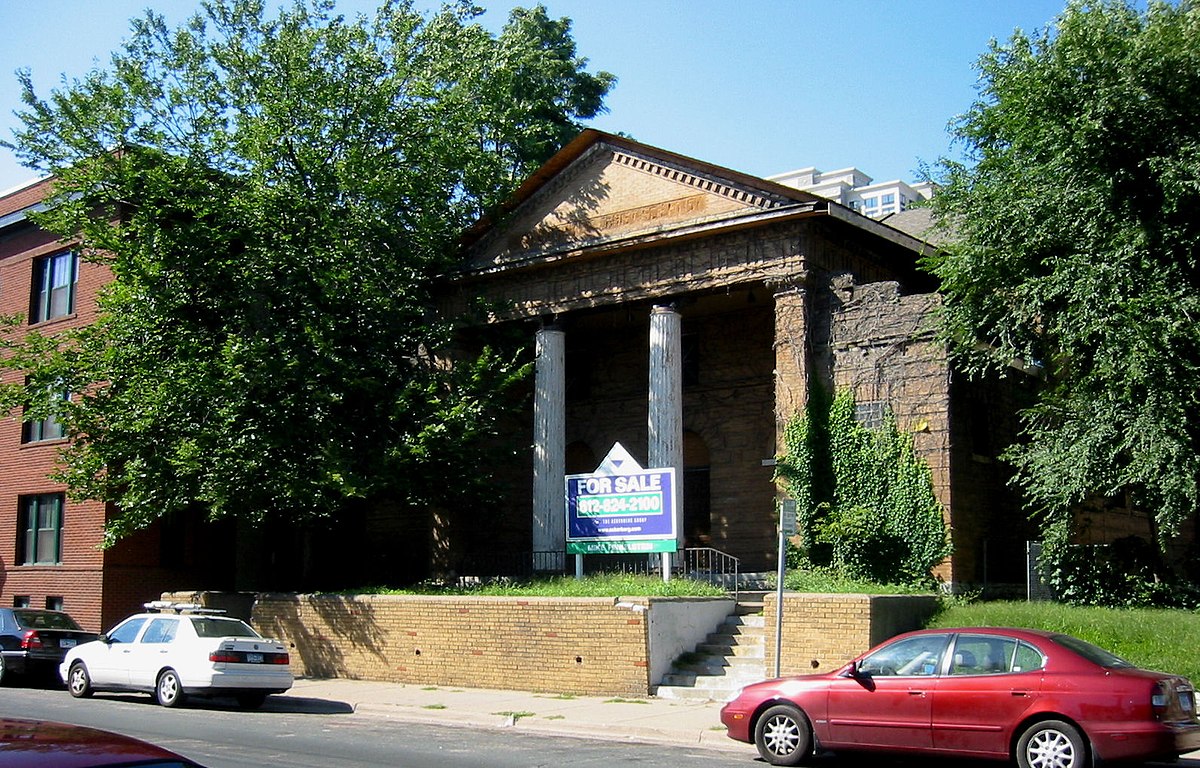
(169, 690)
(79, 683)
(1051, 744)
(783, 735)
(3, 674)
(251, 700)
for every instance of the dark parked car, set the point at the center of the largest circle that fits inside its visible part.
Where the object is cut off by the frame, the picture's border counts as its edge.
(45, 744)
(1045, 699)
(34, 641)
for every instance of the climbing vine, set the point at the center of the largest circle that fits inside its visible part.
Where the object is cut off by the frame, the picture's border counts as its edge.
(864, 499)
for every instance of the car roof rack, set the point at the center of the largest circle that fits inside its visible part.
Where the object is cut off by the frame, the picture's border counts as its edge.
(163, 606)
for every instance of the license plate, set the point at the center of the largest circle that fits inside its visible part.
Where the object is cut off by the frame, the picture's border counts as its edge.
(254, 658)
(66, 643)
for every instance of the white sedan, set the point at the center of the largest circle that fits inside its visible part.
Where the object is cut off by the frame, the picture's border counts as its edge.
(174, 650)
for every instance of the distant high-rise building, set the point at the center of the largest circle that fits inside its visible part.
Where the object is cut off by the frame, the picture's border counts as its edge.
(856, 190)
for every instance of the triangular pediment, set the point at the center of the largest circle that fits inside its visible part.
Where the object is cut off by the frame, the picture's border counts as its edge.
(617, 191)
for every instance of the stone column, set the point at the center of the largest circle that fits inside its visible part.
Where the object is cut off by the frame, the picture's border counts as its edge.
(792, 362)
(549, 445)
(665, 447)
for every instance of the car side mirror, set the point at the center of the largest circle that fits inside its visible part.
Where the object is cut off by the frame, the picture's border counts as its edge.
(104, 638)
(863, 676)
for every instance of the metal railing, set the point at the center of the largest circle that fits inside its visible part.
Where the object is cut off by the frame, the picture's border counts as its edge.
(712, 566)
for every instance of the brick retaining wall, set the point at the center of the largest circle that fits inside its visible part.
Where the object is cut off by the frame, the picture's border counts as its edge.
(584, 646)
(823, 631)
(575, 646)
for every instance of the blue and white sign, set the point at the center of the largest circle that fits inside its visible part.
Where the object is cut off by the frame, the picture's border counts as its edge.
(621, 508)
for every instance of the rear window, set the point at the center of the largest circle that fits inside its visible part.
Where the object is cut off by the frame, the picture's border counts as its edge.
(44, 620)
(1092, 653)
(221, 627)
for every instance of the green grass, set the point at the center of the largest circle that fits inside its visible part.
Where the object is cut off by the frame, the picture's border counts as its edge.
(1154, 638)
(603, 585)
(829, 581)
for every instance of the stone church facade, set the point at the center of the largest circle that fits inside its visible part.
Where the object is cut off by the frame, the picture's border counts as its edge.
(681, 309)
(618, 256)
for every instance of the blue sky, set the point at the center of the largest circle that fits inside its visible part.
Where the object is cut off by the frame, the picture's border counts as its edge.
(759, 86)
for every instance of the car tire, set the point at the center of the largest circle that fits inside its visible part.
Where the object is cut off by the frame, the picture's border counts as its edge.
(169, 690)
(783, 735)
(79, 683)
(4, 675)
(251, 699)
(1052, 744)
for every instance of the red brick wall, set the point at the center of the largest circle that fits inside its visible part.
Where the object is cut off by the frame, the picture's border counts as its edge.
(24, 468)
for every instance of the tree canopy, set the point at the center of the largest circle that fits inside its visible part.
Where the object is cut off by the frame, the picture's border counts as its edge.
(273, 195)
(1073, 246)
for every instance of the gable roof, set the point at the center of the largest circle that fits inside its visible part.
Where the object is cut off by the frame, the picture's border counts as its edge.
(603, 191)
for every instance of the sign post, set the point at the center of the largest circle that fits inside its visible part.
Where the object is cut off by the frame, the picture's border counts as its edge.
(787, 527)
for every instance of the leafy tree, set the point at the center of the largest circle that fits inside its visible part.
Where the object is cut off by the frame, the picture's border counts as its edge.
(274, 196)
(1074, 245)
(864, 500)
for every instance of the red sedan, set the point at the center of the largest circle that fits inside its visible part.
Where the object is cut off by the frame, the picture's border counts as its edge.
(1049, 700)
(45, 744)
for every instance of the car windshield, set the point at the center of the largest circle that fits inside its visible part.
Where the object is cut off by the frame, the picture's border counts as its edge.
(221, 627)
(1092, 653)
(44, 620)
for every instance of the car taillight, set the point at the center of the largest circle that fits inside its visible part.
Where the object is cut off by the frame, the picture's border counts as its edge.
(31, 640)
(280, 658)
(227, 657)
(1158, 700)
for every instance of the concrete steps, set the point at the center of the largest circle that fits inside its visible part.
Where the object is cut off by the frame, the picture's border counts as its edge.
(732, 656)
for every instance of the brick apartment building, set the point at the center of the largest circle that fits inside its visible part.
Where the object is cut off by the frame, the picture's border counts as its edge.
(50, 552)
(761, 290)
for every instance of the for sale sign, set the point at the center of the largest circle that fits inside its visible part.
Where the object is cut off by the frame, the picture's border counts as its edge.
(621, 508)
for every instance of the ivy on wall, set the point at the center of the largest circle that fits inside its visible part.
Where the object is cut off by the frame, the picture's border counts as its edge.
(864, 500)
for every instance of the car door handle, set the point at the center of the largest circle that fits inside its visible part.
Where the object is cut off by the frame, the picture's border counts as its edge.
(1016, 692)
(916, 693)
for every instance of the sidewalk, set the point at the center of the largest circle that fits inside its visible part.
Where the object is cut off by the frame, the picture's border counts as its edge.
(645, 719)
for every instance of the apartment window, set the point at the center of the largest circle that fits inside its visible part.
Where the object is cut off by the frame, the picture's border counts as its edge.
(21, 601)
(888, 199)
(41, 529)
(54, 279)
(870, 202)
(54, 603)
(48, 428)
